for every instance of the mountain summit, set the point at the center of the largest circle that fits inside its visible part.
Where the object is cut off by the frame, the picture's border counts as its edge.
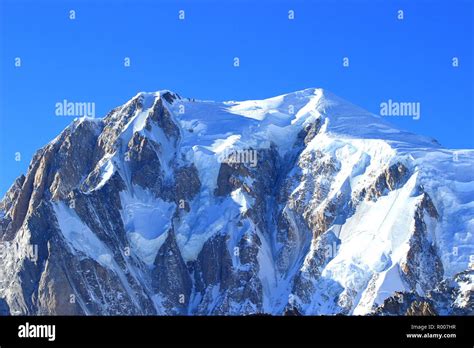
(298, 204)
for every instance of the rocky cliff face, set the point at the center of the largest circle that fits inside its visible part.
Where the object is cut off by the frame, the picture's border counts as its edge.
(298, 204)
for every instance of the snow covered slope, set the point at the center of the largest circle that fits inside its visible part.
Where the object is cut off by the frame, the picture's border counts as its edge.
(298, 204)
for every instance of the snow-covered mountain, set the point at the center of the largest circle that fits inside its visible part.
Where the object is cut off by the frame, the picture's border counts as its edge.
(297, 204)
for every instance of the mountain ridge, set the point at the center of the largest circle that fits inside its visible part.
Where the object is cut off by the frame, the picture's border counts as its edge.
(341, 214)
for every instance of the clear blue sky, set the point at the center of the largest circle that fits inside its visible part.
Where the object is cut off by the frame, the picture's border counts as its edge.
(82, 59)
